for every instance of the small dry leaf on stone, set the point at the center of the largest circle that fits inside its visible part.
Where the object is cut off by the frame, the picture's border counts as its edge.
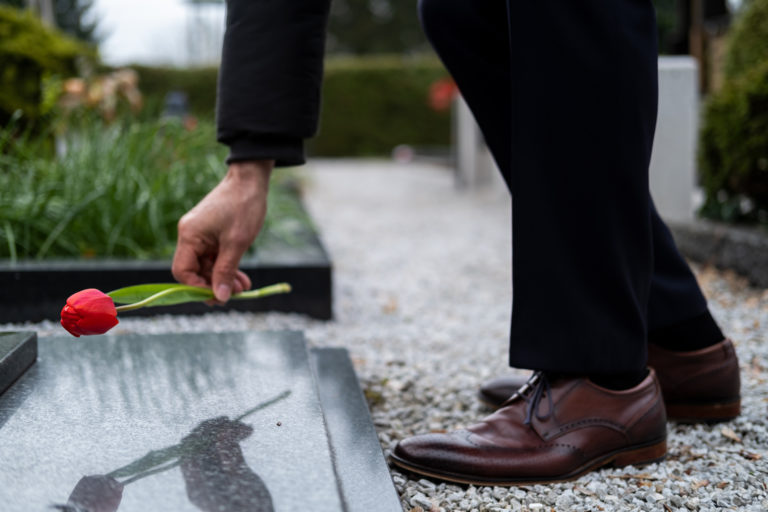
(730, 434)
(750, 455)
(722, 485)
(390, 306)
(686, 451)
(638, 476)
(417, 509)
(699, 484)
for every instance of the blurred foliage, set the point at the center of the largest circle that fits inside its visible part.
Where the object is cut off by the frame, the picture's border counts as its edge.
(117, 190)
(733, 151)
(372, 104)
(31, 54)
(667, 23)
(199, 84)
(361, 27)
(112, 95)
(748, 39)
(375, 26)
(733, 147)
(73, 17)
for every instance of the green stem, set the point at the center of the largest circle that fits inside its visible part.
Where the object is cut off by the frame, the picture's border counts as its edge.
(250, 294)
(146, 302)
(263, 292)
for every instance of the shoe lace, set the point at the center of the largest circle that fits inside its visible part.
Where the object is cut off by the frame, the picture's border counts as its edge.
(540, 386)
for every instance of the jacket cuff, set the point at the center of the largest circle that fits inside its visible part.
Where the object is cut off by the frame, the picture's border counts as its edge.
(285, 151)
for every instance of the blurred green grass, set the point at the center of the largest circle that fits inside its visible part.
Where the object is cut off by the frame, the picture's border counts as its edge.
(118, 190)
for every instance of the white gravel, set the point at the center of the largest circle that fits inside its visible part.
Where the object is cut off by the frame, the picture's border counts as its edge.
(422, 301)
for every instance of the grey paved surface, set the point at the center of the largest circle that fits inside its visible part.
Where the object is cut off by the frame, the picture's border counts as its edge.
(422, 303)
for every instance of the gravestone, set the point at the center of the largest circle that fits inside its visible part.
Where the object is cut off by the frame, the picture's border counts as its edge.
(187, 422)
(18, 351)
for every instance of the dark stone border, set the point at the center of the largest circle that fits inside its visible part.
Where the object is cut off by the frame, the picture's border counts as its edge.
(741, 249)
(18, 351)
(35, 291)
(365, 482)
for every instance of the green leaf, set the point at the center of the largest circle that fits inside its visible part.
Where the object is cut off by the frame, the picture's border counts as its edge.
(174, 294)
(168, 294)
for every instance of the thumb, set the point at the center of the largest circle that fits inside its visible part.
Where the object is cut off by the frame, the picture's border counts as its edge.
(224, 274)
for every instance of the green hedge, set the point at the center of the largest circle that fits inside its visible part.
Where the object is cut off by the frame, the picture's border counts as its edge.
(733, 147)
(198, 83)
(30, 53)
(748, 40)
(370, 104)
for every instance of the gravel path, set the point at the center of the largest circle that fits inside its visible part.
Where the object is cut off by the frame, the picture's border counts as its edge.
(422, 303)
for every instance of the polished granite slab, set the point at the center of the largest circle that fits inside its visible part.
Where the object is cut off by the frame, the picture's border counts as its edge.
(364, 479)
(18, 351)
(225, 422)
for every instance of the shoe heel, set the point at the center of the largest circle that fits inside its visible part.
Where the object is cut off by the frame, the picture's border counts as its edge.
(640, 456)
(710, 413)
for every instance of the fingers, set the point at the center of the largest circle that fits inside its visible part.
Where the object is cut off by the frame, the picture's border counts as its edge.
(186, 266)
(244, 280)
(225, 271)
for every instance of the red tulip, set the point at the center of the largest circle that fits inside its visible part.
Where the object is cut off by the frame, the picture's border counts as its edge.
(89, 312)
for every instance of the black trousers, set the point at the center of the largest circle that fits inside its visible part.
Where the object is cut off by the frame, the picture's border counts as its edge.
(565, 93)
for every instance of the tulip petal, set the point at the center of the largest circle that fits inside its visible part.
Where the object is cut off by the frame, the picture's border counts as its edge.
(71, 329)
(97, 323)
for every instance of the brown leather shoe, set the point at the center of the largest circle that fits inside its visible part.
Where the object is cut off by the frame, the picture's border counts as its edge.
(702, 385)
(547, 432)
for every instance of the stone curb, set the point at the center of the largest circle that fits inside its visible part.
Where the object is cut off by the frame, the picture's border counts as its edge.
(741, 249)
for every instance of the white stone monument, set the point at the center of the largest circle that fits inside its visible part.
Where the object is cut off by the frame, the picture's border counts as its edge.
(673, 162)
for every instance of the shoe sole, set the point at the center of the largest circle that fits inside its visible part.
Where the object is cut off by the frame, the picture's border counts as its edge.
(636, 456)
(681, 412)
(709, 413)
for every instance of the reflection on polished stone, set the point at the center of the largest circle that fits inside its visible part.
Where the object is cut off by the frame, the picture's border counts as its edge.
(215, 473)
(169, 422)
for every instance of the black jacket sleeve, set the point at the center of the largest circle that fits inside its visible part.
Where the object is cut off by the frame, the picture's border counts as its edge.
(271, 71)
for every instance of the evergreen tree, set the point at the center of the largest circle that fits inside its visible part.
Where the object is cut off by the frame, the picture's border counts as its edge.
(74, 18)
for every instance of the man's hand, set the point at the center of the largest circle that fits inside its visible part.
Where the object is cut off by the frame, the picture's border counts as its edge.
(215, 234)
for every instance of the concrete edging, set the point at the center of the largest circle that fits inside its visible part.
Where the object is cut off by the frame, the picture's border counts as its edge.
(741, 249)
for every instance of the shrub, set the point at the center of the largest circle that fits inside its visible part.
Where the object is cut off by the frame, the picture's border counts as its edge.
(733, 146)
(748, 40)
(31, 53)
(370, 104)
(733, 156)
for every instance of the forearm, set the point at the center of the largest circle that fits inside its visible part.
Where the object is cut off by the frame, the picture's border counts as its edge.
(270, 78)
